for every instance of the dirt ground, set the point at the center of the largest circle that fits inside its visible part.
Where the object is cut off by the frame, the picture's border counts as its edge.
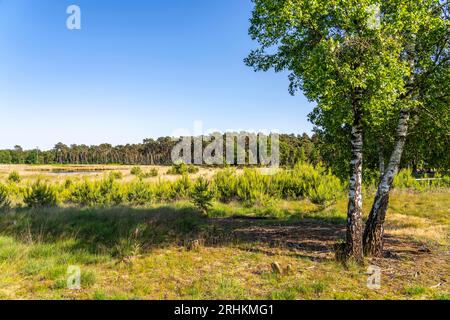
(404, 259)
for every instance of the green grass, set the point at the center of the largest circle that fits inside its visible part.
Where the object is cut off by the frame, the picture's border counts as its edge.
(415, 290)
(141, 253)
(441, 296)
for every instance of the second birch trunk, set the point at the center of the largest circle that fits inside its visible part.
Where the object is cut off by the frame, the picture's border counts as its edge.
(374, 231)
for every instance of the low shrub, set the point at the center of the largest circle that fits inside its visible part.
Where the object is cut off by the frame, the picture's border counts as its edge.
(405, 180)
(85, 194)
(40, 195)
(253, 188)
(4, 197)
(139, 193)
(182, 168)
(136, 171)
(110, 192)
(296, 183)
(181, 188)
(106, 192)
(150, 174)
(116, 175)
(202, 195)
(307, 181)
(162, 191)
(250, 185)
(68, 183)
(326, 191)
(441, 181)
(224, 184)
(192, 169)
(14, 177)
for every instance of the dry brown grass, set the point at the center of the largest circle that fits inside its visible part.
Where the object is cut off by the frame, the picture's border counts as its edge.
(51, 174)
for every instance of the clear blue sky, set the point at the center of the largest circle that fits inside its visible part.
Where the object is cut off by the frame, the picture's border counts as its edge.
(137, 69)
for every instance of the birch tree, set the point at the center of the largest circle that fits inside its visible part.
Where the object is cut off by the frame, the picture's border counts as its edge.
(425, 38)
(341, 60)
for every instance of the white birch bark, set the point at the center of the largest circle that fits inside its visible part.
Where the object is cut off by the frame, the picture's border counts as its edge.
(353, 246)
(374, 231)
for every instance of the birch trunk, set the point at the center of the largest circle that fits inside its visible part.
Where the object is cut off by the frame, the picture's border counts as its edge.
(353, 246)
(374, 231)
(381, 158)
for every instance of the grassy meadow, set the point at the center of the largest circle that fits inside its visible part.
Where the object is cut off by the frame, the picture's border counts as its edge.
(141, 234)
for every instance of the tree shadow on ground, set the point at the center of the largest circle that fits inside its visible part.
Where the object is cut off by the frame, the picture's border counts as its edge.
(112, 230)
